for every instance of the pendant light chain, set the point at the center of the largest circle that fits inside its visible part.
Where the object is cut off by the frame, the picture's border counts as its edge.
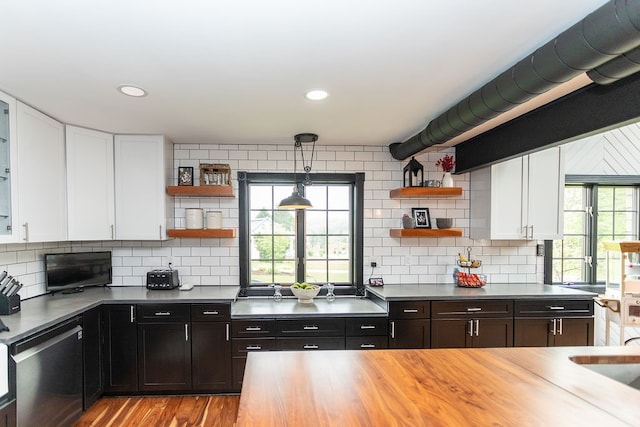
(307, 168)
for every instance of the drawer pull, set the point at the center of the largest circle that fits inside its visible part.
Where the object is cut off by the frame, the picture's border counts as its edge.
(210, 313)
(473, 309)
(311, 347)
(254, 347)
(367, 327)
(367, 346)
(310, 328)
(163, 313)
(410, 310)
(555, 307)
(253, 328)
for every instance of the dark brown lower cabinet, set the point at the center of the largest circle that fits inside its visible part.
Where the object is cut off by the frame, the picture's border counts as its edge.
(409, 324)
(211, 347)
(472, 323)
(477, 333)
(554, 332)
(164, 362)
(92, 356)
(553, 322)
(120, 349)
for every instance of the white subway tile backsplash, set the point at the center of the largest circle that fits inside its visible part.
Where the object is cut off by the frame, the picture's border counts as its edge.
(215, 261)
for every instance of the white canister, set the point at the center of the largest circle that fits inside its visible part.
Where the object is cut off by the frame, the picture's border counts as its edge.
(193, 218)
(214, 219)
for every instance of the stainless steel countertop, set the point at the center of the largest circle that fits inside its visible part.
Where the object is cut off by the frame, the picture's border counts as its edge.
(290, 307)
(490, 291)
(44, 311)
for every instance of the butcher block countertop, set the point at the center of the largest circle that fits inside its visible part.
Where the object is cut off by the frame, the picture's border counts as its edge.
(438, 387)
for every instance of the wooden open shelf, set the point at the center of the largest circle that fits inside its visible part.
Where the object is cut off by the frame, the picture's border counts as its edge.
(200, 190)
(417, 192)
(425, 232)
(224, 233)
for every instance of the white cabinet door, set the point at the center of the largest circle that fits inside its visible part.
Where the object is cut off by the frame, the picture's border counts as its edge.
(143, 167)
(507, 182)
(519, 199)
(9, 230)
(90, 195)
(42, 201)
(545, 202)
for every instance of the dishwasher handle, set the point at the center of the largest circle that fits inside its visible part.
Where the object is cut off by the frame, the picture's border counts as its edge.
(31, 351)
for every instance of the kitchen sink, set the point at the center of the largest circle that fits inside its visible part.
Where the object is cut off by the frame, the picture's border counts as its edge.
(624, 369)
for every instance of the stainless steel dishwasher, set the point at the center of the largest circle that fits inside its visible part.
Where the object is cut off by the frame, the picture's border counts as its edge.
(49, 376)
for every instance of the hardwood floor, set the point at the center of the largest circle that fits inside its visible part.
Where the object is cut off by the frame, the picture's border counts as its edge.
(160, 411)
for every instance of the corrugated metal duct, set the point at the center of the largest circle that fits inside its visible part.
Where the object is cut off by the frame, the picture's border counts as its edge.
(602, 37)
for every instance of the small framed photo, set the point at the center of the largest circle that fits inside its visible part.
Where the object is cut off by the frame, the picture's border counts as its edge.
(185, 175)
(421, 217)
(376, 281)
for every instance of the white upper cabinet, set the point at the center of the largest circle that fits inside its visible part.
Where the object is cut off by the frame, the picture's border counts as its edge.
(90, 183)
(8, 161)
(143, 169)
(522, 198)
(42, 205)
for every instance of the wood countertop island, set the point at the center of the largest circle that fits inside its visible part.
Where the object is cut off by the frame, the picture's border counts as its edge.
(438, 387)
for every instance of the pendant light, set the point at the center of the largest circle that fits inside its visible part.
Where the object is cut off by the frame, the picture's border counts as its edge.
(296, 201)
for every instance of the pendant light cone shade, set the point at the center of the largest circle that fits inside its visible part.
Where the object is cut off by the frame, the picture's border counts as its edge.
(294, 201)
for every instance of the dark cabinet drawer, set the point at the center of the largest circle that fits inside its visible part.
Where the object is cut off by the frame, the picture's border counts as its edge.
(553, 308)
(310, 327)
(210, 312)
(163, 312)
(241, 346)
(310, 343)
(475, 309)
(410, 310)
(253, 328)
(366, 343)
(367, 326)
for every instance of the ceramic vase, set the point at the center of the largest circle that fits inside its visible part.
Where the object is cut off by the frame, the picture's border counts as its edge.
(447, 180)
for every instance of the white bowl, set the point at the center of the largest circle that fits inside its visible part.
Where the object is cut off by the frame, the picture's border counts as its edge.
(305, 296)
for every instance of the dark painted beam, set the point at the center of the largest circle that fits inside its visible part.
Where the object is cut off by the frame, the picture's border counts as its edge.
(588, 111)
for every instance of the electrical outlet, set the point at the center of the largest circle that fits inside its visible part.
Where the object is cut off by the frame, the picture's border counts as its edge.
(374, 264)
(540, 249)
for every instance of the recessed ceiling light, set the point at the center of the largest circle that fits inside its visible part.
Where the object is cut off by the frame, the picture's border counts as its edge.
(317, 94)
(131, 90)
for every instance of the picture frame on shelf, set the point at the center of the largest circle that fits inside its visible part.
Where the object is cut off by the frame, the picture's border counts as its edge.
(185, 175)
(376, 281)
(421, 217)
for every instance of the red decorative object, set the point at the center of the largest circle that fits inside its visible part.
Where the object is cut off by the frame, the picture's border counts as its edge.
(447, 163)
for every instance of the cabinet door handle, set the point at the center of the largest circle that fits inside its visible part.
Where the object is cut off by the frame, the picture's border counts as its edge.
(367, 346)
(531, 228)
(473, 309)
(470, 322)
(112, 232)
(310, 328)
(477, 331)
(133, 317)
(210, 313)
(310, 347)
(26, 231)
(555, 307)
(227, 331)
(252, 328)
(393, 329)
(524, 231)
(253, 347)
(186, 332)
(559, 326)
(410, 310)
(163, 313)
(553, 331)
(160, 226)
(367, 327)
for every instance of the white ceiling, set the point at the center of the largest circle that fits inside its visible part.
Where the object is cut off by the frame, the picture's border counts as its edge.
(236, 71)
